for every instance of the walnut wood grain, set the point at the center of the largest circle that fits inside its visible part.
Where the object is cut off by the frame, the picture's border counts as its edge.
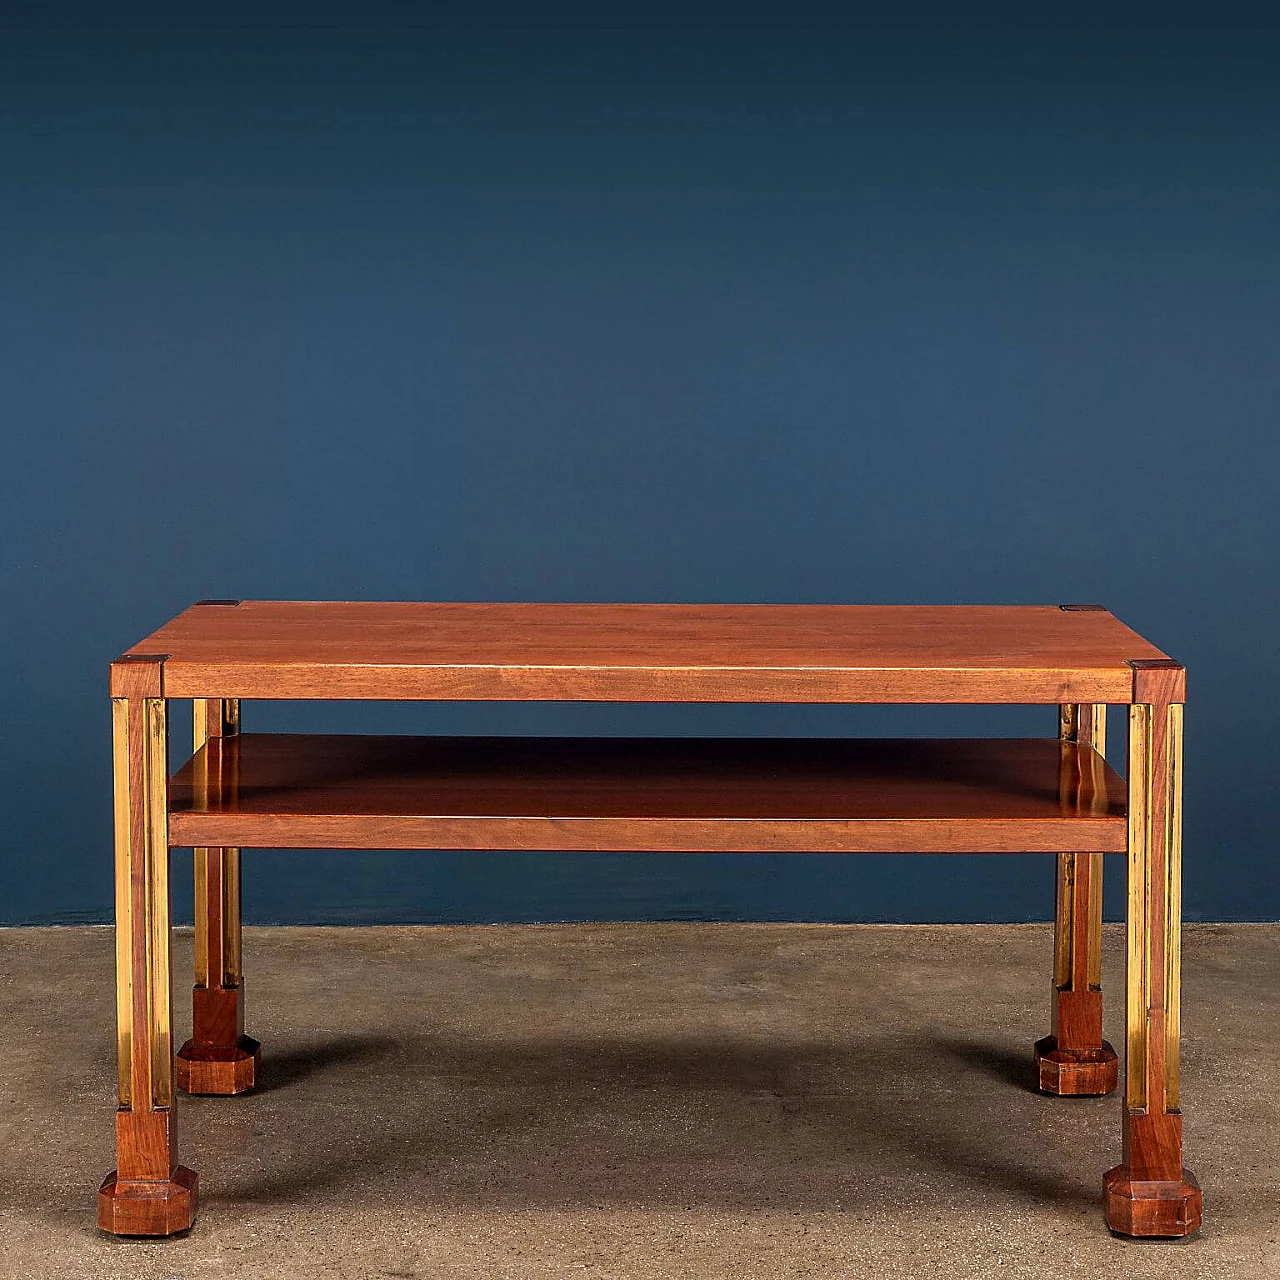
(649, 652)
(138, 675)
(1159, 680)
(147, 1207)
(819, 795)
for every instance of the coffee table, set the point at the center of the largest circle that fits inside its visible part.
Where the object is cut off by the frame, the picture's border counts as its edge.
(1051, 795)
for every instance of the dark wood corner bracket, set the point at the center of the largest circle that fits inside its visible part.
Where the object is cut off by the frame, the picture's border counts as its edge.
(1158, 680)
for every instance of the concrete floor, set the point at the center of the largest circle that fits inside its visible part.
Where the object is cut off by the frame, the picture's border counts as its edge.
(639, 1101)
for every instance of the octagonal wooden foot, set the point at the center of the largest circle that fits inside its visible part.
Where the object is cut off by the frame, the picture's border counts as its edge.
(144, 1208)
(1076, 1072)
(220, 1069)
(1137, 1208)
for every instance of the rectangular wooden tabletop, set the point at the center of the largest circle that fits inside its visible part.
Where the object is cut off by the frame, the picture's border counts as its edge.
(648, 652)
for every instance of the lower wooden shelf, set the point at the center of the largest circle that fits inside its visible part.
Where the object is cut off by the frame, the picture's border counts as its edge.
(1001, 795)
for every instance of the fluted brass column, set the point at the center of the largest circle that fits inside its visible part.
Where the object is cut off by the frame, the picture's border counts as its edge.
(1150, 1193)
(219, 1058)
(1074, 1058)
(148, 1193)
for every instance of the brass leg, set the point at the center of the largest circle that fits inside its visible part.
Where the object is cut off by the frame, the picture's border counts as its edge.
(219, 1058)
(148, 1193)
(1150, 1193)
(1074, 1058)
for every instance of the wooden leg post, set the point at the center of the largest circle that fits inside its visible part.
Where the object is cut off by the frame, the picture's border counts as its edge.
(1074, 1058)
(148, 1193)
(219, 1058)
(1150, 1193)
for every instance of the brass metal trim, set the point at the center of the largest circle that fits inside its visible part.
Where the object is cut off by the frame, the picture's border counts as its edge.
(124, 913)
(1155, 889)
(1082, 725)
(200, 867)
(1064, 898)
(1138, 933)
(1063, 919)
(144, 1033)
(1173, 915)
(1098, 735)
(1069, 721)
(217, 870)
(160, 968)
(231, 970)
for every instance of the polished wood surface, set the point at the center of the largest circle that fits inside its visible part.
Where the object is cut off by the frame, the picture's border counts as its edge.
(143, 1207)
(648, 652)
(982, 795)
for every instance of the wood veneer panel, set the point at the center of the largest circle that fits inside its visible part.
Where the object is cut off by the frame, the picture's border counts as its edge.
(649, 652)
(819, 795)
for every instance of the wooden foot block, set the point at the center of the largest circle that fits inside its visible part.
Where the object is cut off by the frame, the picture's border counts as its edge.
(144, 1208)
(220, 1069)
(1076, 1072)
(1136, 1208)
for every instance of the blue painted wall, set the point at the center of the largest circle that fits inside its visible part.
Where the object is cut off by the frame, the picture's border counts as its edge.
(668, 307)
